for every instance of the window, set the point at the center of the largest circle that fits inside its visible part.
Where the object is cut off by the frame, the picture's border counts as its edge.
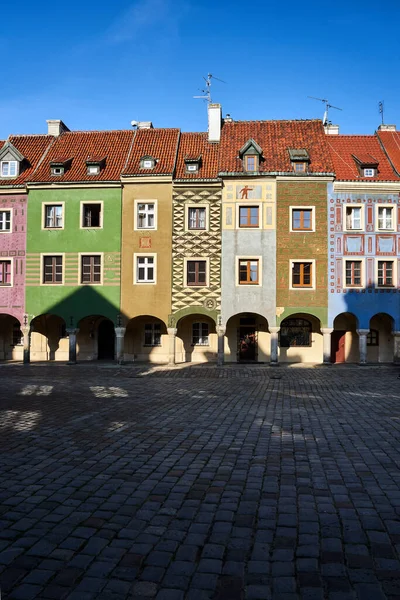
(147, 162)
(302, 219)
(200, 334)
(193, 168)
(250, 163)
(52, 269)
(197, 218)
(385, 273)
(373, 338)
(5, 220)
(145, 216)
(300, 167)
(385, 217)
(17, 336)
(295, 332)
(353, 273)
(152, 334)
(91, 214)
(91, 269)
(57, 170)
(53, 216)
(369, 172)
(353, 217)
(9, 168)
(93, 169)
(196, 272)
(248, 272)
(249, 216)
(5, 272)
(145, 269)
(302, 275)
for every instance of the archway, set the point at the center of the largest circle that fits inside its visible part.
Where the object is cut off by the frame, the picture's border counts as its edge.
(300, 339)
(248, 338)
(49, 340)
(106, 340)
(95, 340)
(344, 339)
(196, 339)
(11, 339)
(380, 342)
(146, 339)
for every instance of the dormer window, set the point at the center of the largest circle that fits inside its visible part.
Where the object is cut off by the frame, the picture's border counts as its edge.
(57, 170)
(10, 161)
(147, 162)
(59, 166)
(299, 159)
(93, 169)
(369, 172)
(251, 162)
(192, 163)
(366, 164)
(251, 155)
(192, 168)
(9, 168)
(94, 165)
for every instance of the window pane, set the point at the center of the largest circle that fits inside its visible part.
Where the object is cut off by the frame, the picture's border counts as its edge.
(5, 169)
(253, 271)
(254, 215)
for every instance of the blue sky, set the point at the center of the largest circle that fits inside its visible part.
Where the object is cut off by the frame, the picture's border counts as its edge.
(100, 65)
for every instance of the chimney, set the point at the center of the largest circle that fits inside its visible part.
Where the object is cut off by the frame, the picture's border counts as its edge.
(331, 129)
(214, 122)
(387, 127)
(144, 125)
(228, 118)
(56, 127)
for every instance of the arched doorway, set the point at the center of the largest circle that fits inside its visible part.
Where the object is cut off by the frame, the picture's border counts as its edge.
(196, 339)
(49, 339)
(344, 339)
(146, 339)
(380, 343)
(11, 338)
(248, 339)
(300, 339)
(106, 340)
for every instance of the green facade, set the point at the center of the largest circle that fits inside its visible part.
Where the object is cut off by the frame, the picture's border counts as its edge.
(72, 300)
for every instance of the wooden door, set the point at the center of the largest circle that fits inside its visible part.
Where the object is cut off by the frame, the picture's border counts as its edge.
(247, 344)
(338, 343)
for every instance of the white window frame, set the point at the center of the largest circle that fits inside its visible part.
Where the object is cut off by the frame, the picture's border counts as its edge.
(10, 211)
(205, 259)
(84, 203)
(57, 171)
(313, 274)
(152, 345)
(291, 209)
(9, 163)
(392, 208)
(394, 272)
(138, 255)
(93, 169)
(187, 207)
(42, 257)
(201, 336)
(362, 217)
(80, 256)
(11, 260)
(260, 271)
(369, 172)
(351, 259)
(247, 204)
(136, 215)
(44, 206)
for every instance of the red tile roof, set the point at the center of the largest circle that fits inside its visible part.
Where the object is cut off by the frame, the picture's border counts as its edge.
(78, 146)
(160, 144)
(275, 138)
(343, 149)
(192, 146)
(32, 147)
(391, 143)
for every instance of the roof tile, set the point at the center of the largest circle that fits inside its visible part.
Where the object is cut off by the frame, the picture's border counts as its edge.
(192, 146)
(32, 147)
(391, 142)
(160, 144)
(343, 149)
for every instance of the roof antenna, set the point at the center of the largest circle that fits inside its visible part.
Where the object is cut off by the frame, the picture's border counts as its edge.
(381, 106)
(207, 91)
(325, 120)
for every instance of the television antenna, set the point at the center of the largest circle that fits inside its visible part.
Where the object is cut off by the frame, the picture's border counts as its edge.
(327, 107)
(207, 91)
(381, 106)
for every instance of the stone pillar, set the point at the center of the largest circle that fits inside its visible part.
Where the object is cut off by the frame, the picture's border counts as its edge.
(72, 333)
(396, 340)
(274, 345)
(172, 331)
(26, 331)
(119, 344)
(326, 332)
(362, 344)
(221, 344)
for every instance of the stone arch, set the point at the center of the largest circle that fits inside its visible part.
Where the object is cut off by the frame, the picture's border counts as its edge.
(11, 338)
(380, 340)
(344, 338)
(247, 338)
(146, 339)
(300, 338)
(49, 340)
(196, 338)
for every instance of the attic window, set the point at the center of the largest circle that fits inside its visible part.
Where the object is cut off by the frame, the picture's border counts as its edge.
(299, 158)
(10, 161)
(94, 165)
(59, 166)
(367, 164)
(93, 169)
(147, 162)
(250, 162)
(369, 172)
(9, 168)
(192, 163)
(57, 170)
(250, 154)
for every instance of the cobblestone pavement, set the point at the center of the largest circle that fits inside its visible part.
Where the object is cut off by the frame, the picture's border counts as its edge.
(199, 483)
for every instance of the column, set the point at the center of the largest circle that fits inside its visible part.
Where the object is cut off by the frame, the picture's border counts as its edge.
(72, 333)
(396, 339)
(274, 345)
(362, 344)
(172, 331)
(119, 344)
(326, 332)
(221, 344)
(27, 344)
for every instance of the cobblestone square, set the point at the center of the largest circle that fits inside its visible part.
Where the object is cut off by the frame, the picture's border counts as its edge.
(197, 483)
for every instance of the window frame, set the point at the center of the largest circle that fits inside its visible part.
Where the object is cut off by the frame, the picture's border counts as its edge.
(365, 169)
(202, 325)
(300, 163)
(10, 211)
(80, 270)
(248, 259)
(310, 331)
(8, 259)
(81, 214)
(362, 272)
(393, 262)
(188, 208)
(44, 255)
(136, 257)
(249, 206)
(373, 338)
(301, 208)
(152, 344)
(44, 215)
(362, 217)
(195, 259)
(392, 208)
(246, 163)
(292, 262)
(137, 202)
(9, 162)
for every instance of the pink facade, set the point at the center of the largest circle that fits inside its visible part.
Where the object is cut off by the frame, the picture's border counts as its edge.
(12, 253)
